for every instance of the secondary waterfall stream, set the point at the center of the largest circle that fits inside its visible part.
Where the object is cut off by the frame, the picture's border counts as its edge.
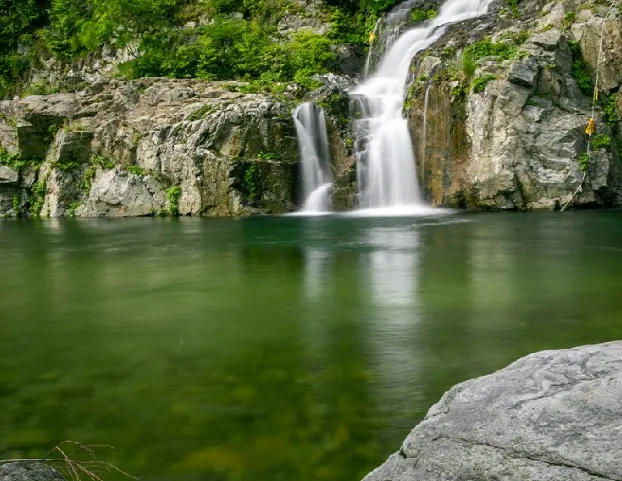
(315, 154)
(386, 171)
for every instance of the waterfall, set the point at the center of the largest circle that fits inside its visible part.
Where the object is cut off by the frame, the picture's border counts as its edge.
(385, 157)
(315, 155)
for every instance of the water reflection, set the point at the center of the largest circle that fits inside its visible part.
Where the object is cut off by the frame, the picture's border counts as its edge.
(392, 267)
(310, 346)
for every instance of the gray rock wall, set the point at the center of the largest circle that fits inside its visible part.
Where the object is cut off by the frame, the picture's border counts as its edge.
(516, 140)
(148, 147)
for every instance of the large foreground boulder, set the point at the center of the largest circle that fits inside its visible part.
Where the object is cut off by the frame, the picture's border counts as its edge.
(551, 416)
(28, 471)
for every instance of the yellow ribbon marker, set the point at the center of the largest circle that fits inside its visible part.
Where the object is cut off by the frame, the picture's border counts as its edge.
(591, 127)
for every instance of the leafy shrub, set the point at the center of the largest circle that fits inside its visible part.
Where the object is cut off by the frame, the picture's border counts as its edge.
(251, 181)
(421, 15)
(601, 141)
(580, 69)
(36, 198)
(611, 110)
(102, 161)
(487, 48)
(569, 19)
(172, 195)
(479, 84)
(136, 170)
(584, 161)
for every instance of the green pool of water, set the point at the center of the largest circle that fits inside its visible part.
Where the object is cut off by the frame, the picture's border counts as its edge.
(280, 348)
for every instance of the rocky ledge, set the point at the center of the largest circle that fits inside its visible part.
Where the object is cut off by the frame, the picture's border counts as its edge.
(157, 146)
(28, 471)
(553, 415)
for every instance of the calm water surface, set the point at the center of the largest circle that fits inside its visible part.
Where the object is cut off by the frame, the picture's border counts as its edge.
(280, 348)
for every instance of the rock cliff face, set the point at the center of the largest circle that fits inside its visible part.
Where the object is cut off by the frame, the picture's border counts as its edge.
(497, 111)
(554, 416)
(147, 147)
(511, 133)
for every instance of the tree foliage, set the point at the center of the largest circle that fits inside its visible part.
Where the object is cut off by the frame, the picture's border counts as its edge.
(234, 39)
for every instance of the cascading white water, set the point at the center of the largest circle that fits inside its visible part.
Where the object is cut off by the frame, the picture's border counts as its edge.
(315, 155)
(385, 158)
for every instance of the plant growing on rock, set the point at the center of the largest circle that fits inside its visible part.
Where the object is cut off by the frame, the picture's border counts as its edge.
(172, 196)
(421, 15)
(611, 110)
(15, 202)
(251, 181)
(569, 19)
(37, 198)
(601, 141)
(584, 161)
(103, 162)
(136, 170)
(479, 84)
(580, 69)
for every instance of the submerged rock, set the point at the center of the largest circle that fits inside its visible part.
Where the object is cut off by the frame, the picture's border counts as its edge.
(553, 415)
(28, 471)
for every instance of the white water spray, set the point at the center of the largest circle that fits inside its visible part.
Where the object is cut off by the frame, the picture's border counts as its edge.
(385, 158)
(314, 152)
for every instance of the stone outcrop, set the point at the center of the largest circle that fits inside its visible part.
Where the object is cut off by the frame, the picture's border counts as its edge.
(147, 147)
(28, 471)
(511, 135)
(553, 415)
(508, 135)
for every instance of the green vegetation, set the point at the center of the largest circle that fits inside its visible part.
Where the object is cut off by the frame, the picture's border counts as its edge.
(611, 110)
(513, 6)
(201, 112)
(15, 161)
(172, 196)
(569, 19)
(584, 161)
(87, 179)
(71, 210)
(15, 201)
(267, 156)
(479, 84)
(488, 48)
(600, 141)
(469, 65)
(421, 15)
(580, 69)
(251, 181)
(240, 41)
(136, 170)
(102, 161)
(36, 198)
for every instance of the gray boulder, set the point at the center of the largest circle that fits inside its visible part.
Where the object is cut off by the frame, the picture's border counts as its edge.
(28, 471)
(553, 415)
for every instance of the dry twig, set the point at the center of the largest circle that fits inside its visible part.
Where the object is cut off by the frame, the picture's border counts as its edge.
(75, 469)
